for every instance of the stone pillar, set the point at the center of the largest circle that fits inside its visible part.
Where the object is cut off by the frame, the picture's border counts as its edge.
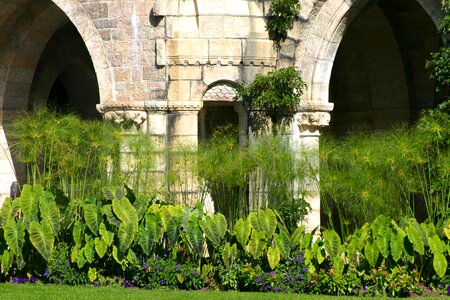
(309, 120)
(7, 170)
(243, 122)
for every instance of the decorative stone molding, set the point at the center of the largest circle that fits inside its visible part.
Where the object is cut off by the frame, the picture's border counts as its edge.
(120, 105)
(221, 92)
(173, 106)
(315, 106)
(312, 121)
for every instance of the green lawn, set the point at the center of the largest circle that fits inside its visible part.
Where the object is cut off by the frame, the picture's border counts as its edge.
(31, 292)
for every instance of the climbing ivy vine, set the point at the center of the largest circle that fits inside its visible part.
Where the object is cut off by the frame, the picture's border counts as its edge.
(281, 18)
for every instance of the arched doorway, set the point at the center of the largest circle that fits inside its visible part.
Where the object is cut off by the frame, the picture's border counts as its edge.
(221, 108)
(28, 75)
(379, 77)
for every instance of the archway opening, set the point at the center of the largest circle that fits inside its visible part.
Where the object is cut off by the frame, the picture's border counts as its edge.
(65, 77)
(379, 77)
(42, 56)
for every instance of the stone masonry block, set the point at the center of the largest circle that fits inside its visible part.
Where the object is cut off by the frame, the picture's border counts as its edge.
(225, 50)
(97, 10)
(185, 73)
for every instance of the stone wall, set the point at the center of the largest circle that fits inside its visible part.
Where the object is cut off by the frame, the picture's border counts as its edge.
(154, 60)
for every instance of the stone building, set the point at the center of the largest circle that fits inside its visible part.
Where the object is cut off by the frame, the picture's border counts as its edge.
(172, 66)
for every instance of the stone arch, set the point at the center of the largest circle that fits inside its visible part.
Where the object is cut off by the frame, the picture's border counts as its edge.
(220, 107)
(27, 27)
(316, 56)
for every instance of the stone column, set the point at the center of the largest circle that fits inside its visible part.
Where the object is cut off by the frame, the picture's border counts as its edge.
(7, 170)
(309, 120)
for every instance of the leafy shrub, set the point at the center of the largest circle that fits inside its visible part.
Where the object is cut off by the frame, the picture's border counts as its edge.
(60, 271)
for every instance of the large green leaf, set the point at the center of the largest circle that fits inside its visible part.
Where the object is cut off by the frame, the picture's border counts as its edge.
(307, 241)
(371, 252)
(14, 233)
(89, 250)
(351, 247)
(125, 212)
(9, 209)
(273, 257)
(268, 221)
(283, 243)
(78, 231)
(338, 265)
(331, 242)
(257, 244)
(397, 246)
(254, 221)
(126, 235)
(144, 240)
(141, 204)
(107, 236)
(100, 247)
(42, 238)
(416, 239)
(364, 235)
(107, 211)
(49, 210)
(317, 251)
(195, 235)
(7, 260)
(173, 227)
(30, 203)
(440, 264)
(92, 217)
(154, 227)
(229, 254)
(382, 240)
(298, 235)
(214, 227)
(242, 231)
(437, 246)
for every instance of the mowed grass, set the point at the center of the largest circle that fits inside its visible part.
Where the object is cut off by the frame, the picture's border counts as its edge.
(39, 291)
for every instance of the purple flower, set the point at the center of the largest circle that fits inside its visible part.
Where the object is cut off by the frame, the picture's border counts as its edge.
(96, 284)
(165, 254)
(177, 267)
(288, 278)
(33, 279)
(299, 259)
(107, 282)
(162, 282)
(155, 267)
(67, 265)
(448, 290)
(259, 279)
(267, 288)
(59, 280)
(47, 273)
(157, 257)
(144, 266)
(304, 270)
(271, 273)
(277, 288)
(15, 280)
(195, 272)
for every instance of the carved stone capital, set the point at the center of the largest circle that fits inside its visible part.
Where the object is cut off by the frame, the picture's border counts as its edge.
(124, 113)
(311, 122)
(124, 118)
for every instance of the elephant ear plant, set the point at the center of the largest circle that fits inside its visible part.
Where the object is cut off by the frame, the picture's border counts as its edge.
(30, 225)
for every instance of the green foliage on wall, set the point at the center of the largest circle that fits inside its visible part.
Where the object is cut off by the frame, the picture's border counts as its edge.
(282, 15)
(276, 91)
